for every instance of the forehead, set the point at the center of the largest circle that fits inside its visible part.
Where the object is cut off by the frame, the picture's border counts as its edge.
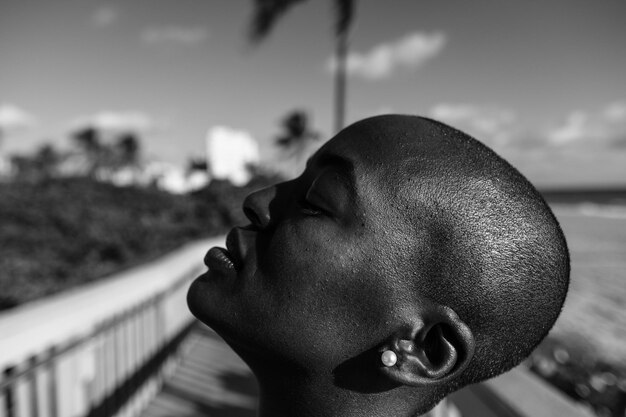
(378, 163)
(379, 146)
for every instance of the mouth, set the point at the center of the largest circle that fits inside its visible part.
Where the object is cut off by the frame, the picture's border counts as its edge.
(225, 259)
(218, 259)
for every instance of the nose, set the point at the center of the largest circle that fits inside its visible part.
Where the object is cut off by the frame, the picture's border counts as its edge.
(256, 207)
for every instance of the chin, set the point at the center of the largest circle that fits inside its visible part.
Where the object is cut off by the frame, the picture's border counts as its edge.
(194, 299)
(201, 300)
(209, 305)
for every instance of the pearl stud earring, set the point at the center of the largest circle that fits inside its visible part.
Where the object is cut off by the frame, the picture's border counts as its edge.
(389, 358)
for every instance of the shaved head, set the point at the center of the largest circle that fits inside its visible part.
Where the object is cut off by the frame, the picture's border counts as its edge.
(494, 251)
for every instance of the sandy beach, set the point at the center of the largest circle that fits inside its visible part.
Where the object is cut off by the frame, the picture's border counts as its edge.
(595, 310)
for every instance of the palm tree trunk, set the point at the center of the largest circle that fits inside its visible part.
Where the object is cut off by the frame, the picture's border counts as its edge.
(340, 79)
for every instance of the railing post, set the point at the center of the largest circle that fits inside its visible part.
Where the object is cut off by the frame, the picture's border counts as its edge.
(3, 402)
(41, 393)
(52, 382)
(32, 385)
(22, 405)
(109, 348)
(9, 393)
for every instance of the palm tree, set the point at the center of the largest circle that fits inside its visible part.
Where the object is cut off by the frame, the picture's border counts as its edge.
(128, 149)
(88, 141)
(295, 140)
(296, 131)
(47, 160)
(268, 11)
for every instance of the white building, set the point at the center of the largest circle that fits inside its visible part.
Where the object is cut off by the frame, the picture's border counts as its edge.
(230, 153)
(173, 178)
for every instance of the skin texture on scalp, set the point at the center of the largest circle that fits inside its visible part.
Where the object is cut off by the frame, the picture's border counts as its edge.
(402, 234)
(498, 256)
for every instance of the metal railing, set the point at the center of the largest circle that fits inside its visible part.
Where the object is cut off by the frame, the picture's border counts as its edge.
(101, 350)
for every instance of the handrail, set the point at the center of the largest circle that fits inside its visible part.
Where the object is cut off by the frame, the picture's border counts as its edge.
(102, 349)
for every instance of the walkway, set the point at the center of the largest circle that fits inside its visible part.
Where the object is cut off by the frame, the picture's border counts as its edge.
(211, 381)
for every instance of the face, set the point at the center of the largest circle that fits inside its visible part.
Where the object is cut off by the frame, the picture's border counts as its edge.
(320, 273)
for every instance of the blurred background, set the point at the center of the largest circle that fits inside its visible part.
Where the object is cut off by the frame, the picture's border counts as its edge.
(129, 130)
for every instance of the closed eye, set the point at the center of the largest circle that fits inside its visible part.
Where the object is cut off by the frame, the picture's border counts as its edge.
(309, 209)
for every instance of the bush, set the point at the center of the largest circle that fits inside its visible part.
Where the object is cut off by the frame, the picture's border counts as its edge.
(59, 233)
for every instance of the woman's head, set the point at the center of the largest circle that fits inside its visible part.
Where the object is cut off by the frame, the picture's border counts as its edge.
(402, 234)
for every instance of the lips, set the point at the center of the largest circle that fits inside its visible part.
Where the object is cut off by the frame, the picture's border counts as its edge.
(225, 260)
(218, 259)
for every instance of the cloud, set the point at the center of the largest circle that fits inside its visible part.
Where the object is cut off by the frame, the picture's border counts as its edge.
(615, 111)
(174, 35)
(116, 122)
(14, 118)
(575, 127)
(493, 125)
(408, 52)
(605, 127)
(499, 127)
(104, 16)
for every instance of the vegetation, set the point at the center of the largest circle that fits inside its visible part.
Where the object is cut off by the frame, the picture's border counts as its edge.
(296, 140)
(59, 233)
(267, 12)
(91, 157)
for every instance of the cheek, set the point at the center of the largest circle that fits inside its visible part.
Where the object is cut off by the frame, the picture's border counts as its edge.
(330, 291)
(299, 249)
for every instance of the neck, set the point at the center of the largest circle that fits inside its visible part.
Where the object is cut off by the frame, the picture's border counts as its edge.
(354, 388)
(318, 396)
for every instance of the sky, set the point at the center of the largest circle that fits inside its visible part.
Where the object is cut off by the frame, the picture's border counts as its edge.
(543, 83)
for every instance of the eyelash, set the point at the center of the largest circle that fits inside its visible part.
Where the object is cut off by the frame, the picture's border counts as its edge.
(309, 209)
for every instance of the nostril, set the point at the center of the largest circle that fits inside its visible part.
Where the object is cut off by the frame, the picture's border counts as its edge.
(256, 207)
(252, 216)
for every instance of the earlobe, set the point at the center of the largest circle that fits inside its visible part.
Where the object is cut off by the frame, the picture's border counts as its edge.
(434, 352)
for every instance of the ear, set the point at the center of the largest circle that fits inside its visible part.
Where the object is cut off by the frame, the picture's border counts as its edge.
(437, 348)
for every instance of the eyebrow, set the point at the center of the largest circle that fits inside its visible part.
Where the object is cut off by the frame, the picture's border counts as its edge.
(341, 165)
(345, 165)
